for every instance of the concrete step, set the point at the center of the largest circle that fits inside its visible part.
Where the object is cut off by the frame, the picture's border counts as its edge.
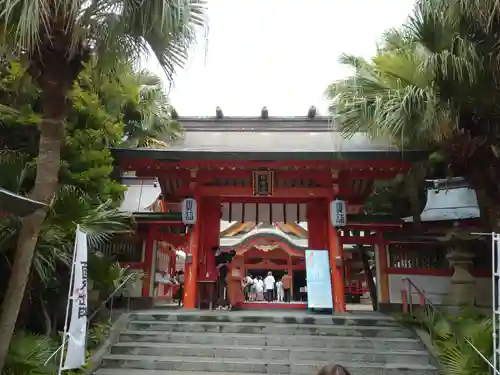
(256, 340)
(271, 353)
(367, 319)
(202, 364)
(271, 329)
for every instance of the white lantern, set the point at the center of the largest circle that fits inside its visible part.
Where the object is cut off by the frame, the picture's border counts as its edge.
(338, 213)
(189, 211)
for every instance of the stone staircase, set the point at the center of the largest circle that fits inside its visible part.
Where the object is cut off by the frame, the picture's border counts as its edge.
(187, 343)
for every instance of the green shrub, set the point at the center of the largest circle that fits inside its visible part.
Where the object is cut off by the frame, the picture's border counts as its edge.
(453, 335)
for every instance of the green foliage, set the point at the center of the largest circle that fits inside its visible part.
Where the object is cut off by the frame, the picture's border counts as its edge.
(106, 31)
(98, 333)
(147, 118)
(106, 275)
(433, 84)
(50, 270)
(28, 353)
(70, 206)
(393, 98)
(131, 106)
(453, 335)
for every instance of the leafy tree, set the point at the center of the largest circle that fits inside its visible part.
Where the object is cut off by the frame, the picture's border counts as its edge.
(52, 257)
(147, 118)
(434, 84)
(56, 39)
(104, 110)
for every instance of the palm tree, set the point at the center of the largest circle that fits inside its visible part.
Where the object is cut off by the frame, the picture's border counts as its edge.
(148, 120)
(434, 83)
(54, 247)
(391, 97)
(56, 38)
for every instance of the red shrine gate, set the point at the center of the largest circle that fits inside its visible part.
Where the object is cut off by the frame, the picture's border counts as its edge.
(291, 164)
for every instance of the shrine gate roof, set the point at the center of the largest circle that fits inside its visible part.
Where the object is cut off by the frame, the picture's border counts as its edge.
(264, 234)
(275, 138)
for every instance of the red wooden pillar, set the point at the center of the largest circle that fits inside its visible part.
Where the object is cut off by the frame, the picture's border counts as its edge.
(210, 238)
(322, 236)
(317, 217)
(148, 262)
(336, 253)
(317, 220)
(191, 270)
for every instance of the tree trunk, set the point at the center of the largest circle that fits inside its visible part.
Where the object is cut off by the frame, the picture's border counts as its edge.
(490, 210)
(54, 94)
(412, 185)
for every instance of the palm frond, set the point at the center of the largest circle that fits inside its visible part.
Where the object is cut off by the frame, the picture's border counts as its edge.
(13, 170)
(123, 30)
(129, 30)
(28, 353)
(148, 122)
(394, 98)
(53, 249)
(103, 221)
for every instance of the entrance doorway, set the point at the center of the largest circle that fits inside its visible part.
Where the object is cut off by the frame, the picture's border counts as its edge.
(299, 283)
(298, 300)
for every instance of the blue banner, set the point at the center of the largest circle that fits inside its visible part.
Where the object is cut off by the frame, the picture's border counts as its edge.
(319, 284)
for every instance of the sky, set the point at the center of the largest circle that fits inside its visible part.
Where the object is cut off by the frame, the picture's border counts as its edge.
(281, 54)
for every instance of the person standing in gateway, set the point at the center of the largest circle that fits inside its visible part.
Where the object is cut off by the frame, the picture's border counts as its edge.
(269, 286)
(287, 286)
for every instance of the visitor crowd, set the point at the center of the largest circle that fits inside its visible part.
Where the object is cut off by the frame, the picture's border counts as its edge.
(269, 289)
(232, 286)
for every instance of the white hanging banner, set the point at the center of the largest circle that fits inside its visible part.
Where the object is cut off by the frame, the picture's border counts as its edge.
(189, 211)
(338, 213)
(77, 331)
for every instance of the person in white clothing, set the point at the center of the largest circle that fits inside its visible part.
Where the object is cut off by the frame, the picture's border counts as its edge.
(161, 279)
(280, 292)
(259, 288)
(248, 283)
(269, 282)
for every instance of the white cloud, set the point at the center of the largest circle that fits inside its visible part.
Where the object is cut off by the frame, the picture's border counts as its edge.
(278, 53)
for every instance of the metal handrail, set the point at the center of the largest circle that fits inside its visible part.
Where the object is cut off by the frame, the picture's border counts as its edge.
(95, 312)
(428, 302)
(117, 289)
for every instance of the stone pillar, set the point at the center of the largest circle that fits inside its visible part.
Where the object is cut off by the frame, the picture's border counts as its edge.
(462, 282)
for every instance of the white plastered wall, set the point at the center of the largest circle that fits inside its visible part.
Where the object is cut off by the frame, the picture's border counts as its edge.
(436, 288)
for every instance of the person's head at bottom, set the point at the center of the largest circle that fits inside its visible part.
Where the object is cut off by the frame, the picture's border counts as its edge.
(333, 369)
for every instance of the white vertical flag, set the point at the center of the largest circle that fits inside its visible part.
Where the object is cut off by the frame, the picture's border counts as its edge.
(77, 331)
